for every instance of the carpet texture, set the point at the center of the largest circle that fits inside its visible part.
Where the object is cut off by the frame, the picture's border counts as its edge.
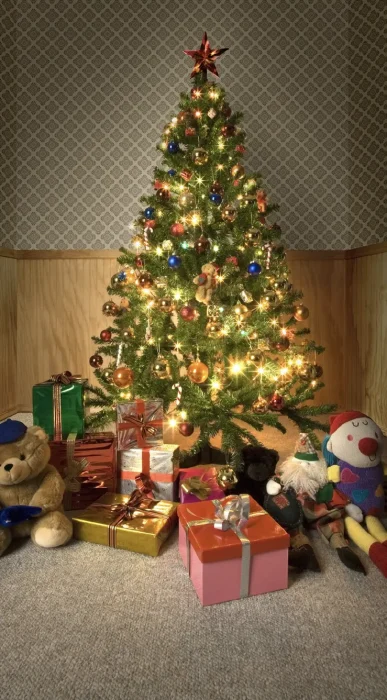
(86, 622)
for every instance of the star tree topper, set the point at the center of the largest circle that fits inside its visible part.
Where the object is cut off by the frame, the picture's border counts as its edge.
(205, 58)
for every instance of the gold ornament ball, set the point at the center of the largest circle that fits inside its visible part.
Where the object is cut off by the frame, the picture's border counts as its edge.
(123, 377)
(161, 368)
(238, 171)
(260, 405)
(246, 297)
(300, 312)
(131, 276)
(240, 310)
(127, 334)
(213, 329)
(117, 282)
(316, 371)
(107, 376)
(166, 305)
(110, 308)
(229, 213)
(186, 199)
(199, 156)
(226, 478)
(252, 237)
(249, 185)
(197, 372)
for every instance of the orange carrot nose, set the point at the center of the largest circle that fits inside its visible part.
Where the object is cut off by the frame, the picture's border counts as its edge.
(368, 446)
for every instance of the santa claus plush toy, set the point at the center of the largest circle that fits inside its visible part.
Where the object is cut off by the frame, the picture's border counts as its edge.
(354, 450)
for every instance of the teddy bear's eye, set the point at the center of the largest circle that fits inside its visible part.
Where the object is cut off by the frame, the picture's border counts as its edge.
(355, 425)
(22, 457)
(365, 422)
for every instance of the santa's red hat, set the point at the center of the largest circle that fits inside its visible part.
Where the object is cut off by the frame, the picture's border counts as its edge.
(338, 421)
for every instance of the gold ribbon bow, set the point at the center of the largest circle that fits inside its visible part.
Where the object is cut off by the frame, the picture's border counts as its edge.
(134, 508)
(66, 377)
(195, 486)
(232, 515)
(144, 428)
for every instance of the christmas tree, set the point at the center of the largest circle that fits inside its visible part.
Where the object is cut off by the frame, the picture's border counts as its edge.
(205, 316)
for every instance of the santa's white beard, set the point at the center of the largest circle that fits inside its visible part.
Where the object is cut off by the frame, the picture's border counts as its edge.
(302, 476)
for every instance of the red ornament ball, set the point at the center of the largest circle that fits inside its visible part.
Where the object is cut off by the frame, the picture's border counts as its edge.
(281, 345)
(105, 335)
(239, 148)
(188, 313)
(177, 229)
(139, 261)
(190, 131)
(157, 184)
(145, 280)
(217, 188)
(163, 195)
(96, 360)
(186, 429)
(277, 402)
(110, 308)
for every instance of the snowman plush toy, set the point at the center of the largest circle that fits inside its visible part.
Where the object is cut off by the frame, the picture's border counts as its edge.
(354, 452)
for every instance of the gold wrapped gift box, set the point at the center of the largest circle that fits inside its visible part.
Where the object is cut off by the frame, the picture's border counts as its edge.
(134, 522)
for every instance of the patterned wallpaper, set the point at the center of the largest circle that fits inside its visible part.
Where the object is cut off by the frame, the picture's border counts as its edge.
(94, 81)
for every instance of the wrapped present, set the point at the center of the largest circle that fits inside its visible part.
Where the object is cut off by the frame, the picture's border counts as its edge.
(88, 467)
(232, 549)
(199, 484)
(159, 464)
(136, 523)
(58, 405)
(140, 424)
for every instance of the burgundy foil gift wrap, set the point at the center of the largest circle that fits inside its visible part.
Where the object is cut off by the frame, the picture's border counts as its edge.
(88, 467)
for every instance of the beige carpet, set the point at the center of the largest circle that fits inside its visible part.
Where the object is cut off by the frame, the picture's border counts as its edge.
(86, 622)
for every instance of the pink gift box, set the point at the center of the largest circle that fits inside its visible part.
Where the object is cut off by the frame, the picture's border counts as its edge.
(214, 557)
(207, 474)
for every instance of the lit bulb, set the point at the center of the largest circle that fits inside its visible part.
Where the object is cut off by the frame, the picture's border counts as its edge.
(159, 251)
(274, 322)
(215, 384)
(298, 362)
(177, 295)
(183, 415)
(260, 370)
(215, 248)
(220, 145)
(283, 332)
(163, 145)
(197, 113)
(177, 345)
(197, 93)
(167, 131)
(313, 383)
(236, 368)
(181, 187)
(213, 95)
(174, 120)
(283, 371)
(172, 422)
(159, 213)
(199, 180)
(195, 219)
(220, 278)
(220, 166)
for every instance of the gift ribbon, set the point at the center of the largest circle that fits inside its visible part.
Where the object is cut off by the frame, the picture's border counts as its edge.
(74, 467)
(127, 511)
(59, 380)
(232, 515)
(197, 487)
(144, 428)
(144, 485)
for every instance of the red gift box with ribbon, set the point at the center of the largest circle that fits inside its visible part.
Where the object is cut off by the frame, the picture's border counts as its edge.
(140, 424)
(88, 467)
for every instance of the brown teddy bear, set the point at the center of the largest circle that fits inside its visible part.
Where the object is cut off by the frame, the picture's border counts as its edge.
(27, 479)
(206, 281)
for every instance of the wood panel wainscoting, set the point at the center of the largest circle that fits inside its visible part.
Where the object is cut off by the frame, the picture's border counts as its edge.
(51, 301)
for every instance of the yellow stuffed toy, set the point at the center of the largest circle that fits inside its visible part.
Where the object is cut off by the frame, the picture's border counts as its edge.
(206, 282)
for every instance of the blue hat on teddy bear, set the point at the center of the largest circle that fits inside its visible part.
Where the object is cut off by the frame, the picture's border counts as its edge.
(11, 430)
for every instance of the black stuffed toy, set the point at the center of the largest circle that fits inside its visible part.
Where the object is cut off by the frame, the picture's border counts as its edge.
(258, 466)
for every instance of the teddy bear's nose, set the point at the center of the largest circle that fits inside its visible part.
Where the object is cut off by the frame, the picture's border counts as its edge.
(8, 467)
(368, 446)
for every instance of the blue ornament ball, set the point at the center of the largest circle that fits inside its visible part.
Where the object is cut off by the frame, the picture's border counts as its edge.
(254, 268)
(172, 172)
(174, 261)
(149, 213)
(173, 147)
(215, 198)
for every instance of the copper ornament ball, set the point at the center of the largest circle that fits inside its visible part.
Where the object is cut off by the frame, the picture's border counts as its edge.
(96, 361)
(282, 344)
(202, 245)
(145, 280)
(252, 237)
(166, 304)
(123, 377)
(229, 213)
(186, 428)
(163, 194)
(197, 372)
(186, 199)
(105, 335)
(127, 334)
(300, 312)
(316, 371)
(217, 188)
(110, 308)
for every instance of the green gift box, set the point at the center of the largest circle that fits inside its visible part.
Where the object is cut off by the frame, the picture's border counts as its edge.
(58, 406)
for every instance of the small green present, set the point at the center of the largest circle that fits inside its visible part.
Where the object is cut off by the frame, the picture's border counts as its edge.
(58, 406)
